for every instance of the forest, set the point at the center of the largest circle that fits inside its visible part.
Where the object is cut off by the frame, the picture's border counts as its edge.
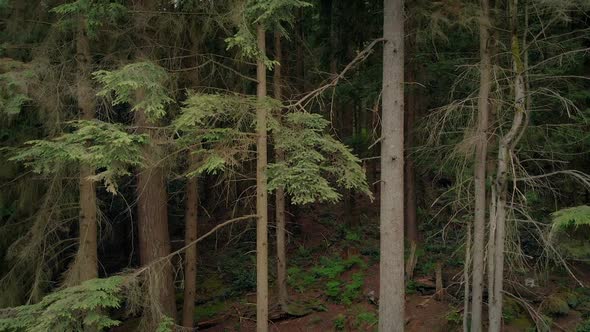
(294, 165)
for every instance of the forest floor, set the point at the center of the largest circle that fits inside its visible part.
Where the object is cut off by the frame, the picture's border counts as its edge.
(334, 286)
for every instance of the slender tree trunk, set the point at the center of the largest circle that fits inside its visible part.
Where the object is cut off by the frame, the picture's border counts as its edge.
(391, 291)
(192, 204)
(466, 279)
(505, 149)
(410, 219)
(261, 195)
(280, 194)
(87, 261)
(480, 168)
(191, 218)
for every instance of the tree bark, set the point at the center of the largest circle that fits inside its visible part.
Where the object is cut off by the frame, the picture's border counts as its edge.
(480, 168)
(410, 219)
(87, 260)
(261, 194)
(191, 218)
(152, 196)
(152, 217)
(391, 290)
(505, 149)
(280, 193)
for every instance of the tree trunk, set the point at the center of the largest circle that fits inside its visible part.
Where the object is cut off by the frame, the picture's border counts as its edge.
(191, 219)
(261, 194)
(466, 279)
(191, 216)
(480, 168)
(87, 261)
(410, 220)
(505, 149)
(152, 198)
(280, 194)
(152, 218)
(438, 277)
(391, 290)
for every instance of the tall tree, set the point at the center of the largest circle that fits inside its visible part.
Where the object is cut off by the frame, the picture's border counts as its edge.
(480, 166)
(411, 105)
(280, 193)
(391, 290)
(191, 216)
(261, 190)
(152, 195)
(87, 261)
(506, 146)
(190, 235)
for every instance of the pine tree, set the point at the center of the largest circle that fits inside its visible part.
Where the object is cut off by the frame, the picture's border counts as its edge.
(392, 289)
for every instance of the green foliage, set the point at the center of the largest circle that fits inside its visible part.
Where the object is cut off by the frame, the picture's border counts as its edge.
(209, 310)
(95, 12)
(166, 325)
(366, 318)
(411, 287)
(71, 309)
(555, 304)
(570, 218)
(216, 128)
(511, 310)
(454, 317)
(339, 322)
(271, 14)
(140, 84)
(334, 267)
(569, 231)
(14, 79)
(311, 159)
(333, 288)
(352, 291)
(12, 97)
(584, 326)
(299, 279)
(105, 146)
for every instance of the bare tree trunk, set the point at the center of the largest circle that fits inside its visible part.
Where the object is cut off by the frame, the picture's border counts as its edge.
(152, 199)
(505, 150)
(410, 219)
(466, 279)
(438, 277)
(191, 218)
(261, 195)
(152, 218)
(87, 261)
(392, 290)
(280, 194)
(480, 168)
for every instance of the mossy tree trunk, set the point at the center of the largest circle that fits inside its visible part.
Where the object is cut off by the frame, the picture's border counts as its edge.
(500, 186)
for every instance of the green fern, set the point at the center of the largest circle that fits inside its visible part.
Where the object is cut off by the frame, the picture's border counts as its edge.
(71, 309)
(96, 12)
(570, 218)
(313, 159)
(105, 146)
(139, 84)
(271, 14)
